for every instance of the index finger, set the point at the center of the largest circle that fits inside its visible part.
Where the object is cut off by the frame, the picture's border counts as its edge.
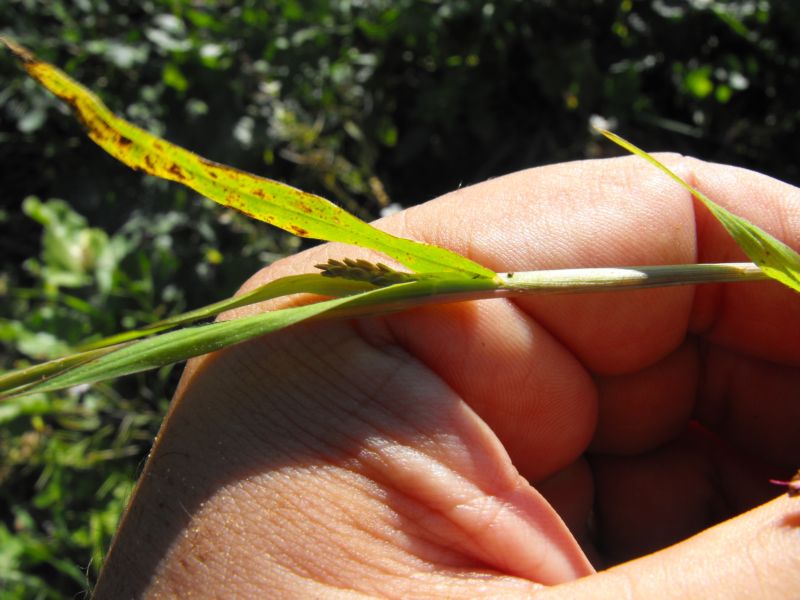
(761, 321)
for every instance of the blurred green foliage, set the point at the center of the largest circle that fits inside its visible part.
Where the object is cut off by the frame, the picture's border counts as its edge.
(367, 103)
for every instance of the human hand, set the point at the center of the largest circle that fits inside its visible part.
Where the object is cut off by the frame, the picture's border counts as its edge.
(486, 449)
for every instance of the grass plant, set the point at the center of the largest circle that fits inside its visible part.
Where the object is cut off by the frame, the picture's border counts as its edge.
(357, 288)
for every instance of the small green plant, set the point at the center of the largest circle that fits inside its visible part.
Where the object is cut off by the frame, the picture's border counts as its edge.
(356, 287)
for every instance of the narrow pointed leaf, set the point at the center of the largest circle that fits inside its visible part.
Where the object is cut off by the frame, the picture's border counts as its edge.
(289, 208)
(311, 283)
(15, 380)
(420, 289)
(293, 284)
(776, 259)
(175, 346)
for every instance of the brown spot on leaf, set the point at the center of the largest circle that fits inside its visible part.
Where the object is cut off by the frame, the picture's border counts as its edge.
(123, 141)
(176, 171)
(298, 230)
(252, 215)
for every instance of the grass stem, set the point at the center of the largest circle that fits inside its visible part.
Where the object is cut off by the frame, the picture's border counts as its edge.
(625, 278)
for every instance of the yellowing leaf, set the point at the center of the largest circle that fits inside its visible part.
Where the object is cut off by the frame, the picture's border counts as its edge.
(298, 212)
(774, 258)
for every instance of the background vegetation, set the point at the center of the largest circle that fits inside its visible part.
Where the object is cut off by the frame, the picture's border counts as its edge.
(373, 104)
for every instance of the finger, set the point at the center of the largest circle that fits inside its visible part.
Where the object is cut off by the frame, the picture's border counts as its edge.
(624, 212)
(754, 403)
(640, 411)
(761, 320)
(751, 556)
(526, 386)
(612, 212)
(571, 493)
(595, 213)
(520, 373)
(644, 503)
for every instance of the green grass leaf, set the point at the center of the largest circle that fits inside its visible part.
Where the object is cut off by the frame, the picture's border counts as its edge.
(176, 346)
(289, 208)
(294, 284)
(776, 259)
(21, 378)
(311, 283)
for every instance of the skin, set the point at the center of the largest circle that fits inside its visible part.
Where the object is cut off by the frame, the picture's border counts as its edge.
(589, 446)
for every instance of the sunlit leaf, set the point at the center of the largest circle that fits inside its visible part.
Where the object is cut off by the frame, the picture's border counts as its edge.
(176, 346)
(294, 284)
(398, 291)
(298, 212)
(775, 258)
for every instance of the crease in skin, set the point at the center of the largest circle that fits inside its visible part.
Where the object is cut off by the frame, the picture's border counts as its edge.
(709, 300)
(384, 530)
(292, 584)
(494, 528)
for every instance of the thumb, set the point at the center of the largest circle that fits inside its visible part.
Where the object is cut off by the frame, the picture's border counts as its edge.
(755, 555)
